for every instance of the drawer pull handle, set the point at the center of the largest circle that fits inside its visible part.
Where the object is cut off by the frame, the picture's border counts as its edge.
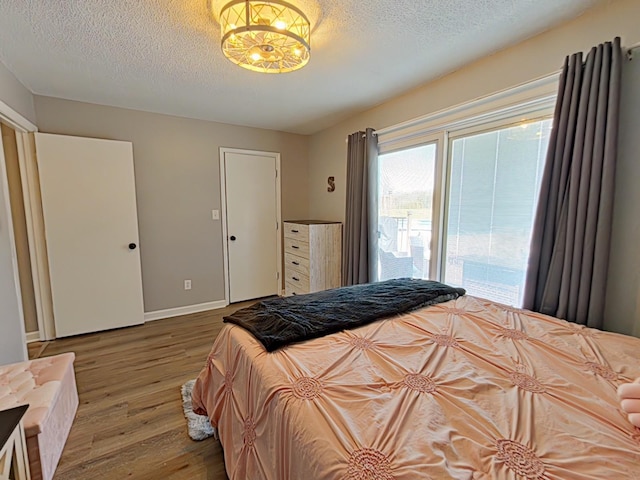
(294, 246)
(294, 231)
(296, 279)
(295, 263)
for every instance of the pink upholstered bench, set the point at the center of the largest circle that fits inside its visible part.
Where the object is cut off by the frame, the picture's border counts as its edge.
(48, 385)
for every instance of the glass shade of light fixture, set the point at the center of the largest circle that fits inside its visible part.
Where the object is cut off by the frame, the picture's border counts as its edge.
(268, 36)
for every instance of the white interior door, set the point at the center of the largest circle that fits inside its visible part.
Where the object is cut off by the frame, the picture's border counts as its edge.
(252, 221)
(91, 228)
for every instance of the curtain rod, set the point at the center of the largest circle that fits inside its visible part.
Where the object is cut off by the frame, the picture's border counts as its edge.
(346, 140)
(629, 52)
(630, 49)
(634, 46)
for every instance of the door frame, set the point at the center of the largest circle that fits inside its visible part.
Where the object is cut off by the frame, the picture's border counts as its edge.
(22, 126)
(223, 212)
(36, 235)
(12, 244)
(35, 224)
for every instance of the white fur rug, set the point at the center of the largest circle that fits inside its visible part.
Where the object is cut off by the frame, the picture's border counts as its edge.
(198, 425)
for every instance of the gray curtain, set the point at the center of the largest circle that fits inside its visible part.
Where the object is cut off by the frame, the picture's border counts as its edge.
(358, 253)
(569, 257)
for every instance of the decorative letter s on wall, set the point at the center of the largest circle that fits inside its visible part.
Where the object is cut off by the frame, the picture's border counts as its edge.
(332, 184)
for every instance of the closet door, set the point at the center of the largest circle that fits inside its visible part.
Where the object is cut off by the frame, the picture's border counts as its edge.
(252, 223)
(91, 228)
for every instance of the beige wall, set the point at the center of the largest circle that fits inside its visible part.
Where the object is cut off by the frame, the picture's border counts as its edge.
(16, 95)
(521, 63)
(177, 182)
(19, 228)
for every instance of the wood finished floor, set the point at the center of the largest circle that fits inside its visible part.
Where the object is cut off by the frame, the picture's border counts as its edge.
(130, 422)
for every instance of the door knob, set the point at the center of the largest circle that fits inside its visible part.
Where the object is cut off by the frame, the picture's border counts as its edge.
(132, 246)
(232, 238)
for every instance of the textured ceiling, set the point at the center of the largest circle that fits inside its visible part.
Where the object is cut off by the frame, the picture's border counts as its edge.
(164, 55)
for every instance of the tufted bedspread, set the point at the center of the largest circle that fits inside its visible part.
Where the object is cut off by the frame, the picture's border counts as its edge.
(466, 389)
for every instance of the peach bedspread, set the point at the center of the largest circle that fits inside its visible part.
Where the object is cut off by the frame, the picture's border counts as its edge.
(467, 389)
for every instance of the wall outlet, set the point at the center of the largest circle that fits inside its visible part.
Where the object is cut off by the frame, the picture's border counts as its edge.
(215, 214)
(187, 284)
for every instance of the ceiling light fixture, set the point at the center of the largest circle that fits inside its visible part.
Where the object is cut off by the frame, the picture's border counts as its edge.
(268, 36)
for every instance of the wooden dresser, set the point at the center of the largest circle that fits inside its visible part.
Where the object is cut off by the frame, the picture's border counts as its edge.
(312, 256)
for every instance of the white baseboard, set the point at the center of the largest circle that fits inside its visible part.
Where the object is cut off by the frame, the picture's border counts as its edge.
(176, 312)
(33, 337)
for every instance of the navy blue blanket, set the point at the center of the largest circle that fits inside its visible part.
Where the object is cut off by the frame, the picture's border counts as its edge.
(281, 321)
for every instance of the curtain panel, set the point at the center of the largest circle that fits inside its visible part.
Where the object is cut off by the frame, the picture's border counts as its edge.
(359, 259)
(568, 263)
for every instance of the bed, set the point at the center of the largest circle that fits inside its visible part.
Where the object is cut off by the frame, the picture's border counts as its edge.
(466, 389)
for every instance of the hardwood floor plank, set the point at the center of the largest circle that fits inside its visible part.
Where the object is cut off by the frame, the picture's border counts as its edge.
(130, 421)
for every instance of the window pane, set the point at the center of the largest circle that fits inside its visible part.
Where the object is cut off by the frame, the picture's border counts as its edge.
(406, 181)
(494, 185)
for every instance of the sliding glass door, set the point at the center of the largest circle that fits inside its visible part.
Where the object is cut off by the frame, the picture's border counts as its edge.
(406, 184)
(494, 180)
(467, 224)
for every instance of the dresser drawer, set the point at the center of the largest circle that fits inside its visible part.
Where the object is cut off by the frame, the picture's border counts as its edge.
(294, 262)
(296, 231)
(296, 247)
(293, 290)
(296, 278)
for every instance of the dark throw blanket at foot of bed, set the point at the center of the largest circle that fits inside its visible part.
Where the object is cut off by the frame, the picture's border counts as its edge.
(282, 321)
